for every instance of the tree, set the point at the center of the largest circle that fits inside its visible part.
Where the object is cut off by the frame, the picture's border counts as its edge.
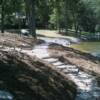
(30, 6)
(87, 18)
(8, 8)
(43, 11)
(2, 2)
(57, 15)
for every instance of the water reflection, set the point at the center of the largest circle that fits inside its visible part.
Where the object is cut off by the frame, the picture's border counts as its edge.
(96, 54)
(90, 47)
(4, 95)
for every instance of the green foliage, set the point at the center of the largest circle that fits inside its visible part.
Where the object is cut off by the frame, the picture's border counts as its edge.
(53, 20)
(10, 8)
(43, 11)
(87, 18)
(57, 14)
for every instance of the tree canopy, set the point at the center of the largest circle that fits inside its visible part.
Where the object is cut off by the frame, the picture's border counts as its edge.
(52, 14)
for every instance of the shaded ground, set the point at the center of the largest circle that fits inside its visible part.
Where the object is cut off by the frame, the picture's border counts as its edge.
(28, 78)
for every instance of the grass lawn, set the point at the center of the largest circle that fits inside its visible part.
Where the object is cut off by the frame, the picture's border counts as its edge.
(53, 33)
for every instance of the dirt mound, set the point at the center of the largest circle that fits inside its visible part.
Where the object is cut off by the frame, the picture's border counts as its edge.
(28, 78)
(20, 41)
(84, 61)
(76, 57)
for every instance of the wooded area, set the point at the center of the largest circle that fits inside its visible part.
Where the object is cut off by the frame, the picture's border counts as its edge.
(77, 15)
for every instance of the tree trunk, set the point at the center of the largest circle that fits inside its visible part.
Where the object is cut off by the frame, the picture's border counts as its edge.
(66, 16)
(31, 16)
(58, 16)
(2, 17)
(75, 23)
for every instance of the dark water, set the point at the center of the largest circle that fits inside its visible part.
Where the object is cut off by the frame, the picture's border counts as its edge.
(90, 47)
(4, 95)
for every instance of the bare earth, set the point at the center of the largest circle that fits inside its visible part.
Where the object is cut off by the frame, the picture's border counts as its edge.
(27, 77)
(82, 60)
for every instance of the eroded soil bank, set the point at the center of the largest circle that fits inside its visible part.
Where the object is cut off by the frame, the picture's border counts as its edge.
(28, 78)
(84, 61)
(30, 70)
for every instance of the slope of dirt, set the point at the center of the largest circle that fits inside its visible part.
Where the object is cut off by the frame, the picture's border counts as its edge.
(28, 78)
(81, 59)
(20, 41)
(84, 61)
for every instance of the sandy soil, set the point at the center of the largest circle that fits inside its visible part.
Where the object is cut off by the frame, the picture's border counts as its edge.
(81, 59)
(15, 40)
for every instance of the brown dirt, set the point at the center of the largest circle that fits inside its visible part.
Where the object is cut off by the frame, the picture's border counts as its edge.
(28, 78)
(15, 40)
(84, 61)
(80, 59)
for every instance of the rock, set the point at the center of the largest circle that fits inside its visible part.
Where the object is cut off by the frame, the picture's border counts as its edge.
(25, 32)
(4, 95)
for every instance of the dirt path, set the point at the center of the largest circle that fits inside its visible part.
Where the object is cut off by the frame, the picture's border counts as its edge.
(87, 88)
